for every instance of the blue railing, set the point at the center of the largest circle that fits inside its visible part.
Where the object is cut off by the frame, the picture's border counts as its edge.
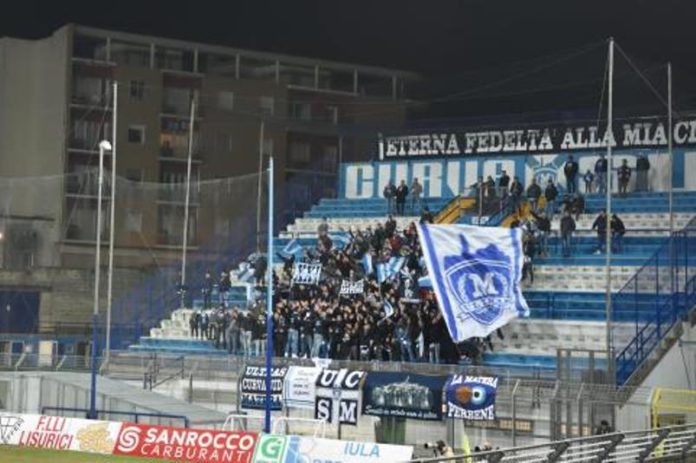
(669, 275)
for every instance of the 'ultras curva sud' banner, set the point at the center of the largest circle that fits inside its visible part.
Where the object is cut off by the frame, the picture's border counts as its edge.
(471, 397)
(294, 449)
(184, 444)
(254, 387)
(403, 395)
(58, 433)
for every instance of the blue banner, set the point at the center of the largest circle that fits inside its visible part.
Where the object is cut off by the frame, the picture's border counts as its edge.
(403, 395)
(471, 397)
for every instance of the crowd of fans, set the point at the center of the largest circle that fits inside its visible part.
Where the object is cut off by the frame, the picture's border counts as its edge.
(395, 319)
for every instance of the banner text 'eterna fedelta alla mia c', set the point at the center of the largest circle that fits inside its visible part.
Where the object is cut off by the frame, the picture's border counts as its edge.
(537, 140)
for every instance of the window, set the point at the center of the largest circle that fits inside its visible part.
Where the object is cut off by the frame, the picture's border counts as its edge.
(134, 220)
(136, 134)
(267, 104)
(300, 153)
(137, 90)
(226, 101)
(302, 111)
(134, 175)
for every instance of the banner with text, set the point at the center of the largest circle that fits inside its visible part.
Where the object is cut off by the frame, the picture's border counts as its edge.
(350, 288)
(299, 389)
(471, 397)
(58, 433)
(306, 274)
(403, 395)
(338, 396)
(294, 449)
(254, 387)
(185, 444)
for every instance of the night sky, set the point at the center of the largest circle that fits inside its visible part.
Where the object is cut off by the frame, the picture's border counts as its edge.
(479, 57)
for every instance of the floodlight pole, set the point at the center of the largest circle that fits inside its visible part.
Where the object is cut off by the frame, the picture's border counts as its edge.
(110, 276)
(670, 131)
(92, 414)
(187, 201)
(610, 140)
(269, 298)
(259, 189)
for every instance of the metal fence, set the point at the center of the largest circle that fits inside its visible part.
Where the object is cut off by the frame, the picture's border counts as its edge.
(666, 444)
(669, 277)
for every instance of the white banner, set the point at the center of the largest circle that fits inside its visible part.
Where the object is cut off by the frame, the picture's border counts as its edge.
(306, 274)
(307, 449)
(58, 433)
(299, 390)
(349, 288)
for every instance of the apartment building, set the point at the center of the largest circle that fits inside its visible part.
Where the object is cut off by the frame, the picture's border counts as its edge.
(56, 105)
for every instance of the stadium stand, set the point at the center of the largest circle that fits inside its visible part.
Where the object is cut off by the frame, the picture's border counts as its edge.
(566, 297)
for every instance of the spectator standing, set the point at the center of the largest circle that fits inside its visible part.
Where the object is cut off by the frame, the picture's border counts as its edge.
(624, 176)
(550, 194)
(504, 184)
(194, 324)
(389, 227)
(205, 320)
(571, 172)
(224, 286)
(516, 190)
(416, 192)
(292, 344)
(207, 290)
(600, 170)
(642, 168)
(401, 193)
(490, 188)
(544, 228)
(533, 194)
(588, 178)
(600, 224)
(618, 230)
(426, 216)
(567, 229)
(260, 264)
(245, 327)
(323, 228)
(233, 333)
(389, 194)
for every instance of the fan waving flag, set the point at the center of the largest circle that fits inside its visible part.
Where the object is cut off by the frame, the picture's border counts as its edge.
(475, 273)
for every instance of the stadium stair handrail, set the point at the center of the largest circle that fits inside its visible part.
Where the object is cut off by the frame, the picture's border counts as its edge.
(632, 357)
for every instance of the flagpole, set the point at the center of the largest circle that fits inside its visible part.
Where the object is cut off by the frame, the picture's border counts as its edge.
(269, 298)
(607, 296)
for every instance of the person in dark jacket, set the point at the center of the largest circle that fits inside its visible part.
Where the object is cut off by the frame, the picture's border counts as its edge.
(567, 229)
(624, 176)
(504, 184)
(588, 178)
(550, 194)
(516, 190)
(571, 172)
(544, 228)
(389, 194)
(600, 170)
(618, 230)
(207, 290)
(426, 216)
(600, 224)
(533, 194)
(401, 193)
(642, 168)
(490, 188)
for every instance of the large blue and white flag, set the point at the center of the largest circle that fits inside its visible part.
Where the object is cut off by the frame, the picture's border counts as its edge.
(390, 268)
(475, 273)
